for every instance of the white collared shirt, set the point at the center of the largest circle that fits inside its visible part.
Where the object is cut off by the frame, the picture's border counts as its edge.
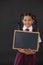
(30, 30)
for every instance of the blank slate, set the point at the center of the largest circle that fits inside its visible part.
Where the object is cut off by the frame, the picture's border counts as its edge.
(25, 40)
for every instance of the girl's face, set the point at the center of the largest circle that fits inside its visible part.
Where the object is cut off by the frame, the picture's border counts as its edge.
(27, 21)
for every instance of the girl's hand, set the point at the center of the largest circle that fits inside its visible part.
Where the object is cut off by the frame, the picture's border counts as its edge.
(22, 50)
(26, 51)
(30, 52)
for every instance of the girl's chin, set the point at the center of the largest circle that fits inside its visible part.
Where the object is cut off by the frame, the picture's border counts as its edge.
(28, 26)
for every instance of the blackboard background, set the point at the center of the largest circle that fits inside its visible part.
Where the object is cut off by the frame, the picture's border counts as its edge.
(9, 14)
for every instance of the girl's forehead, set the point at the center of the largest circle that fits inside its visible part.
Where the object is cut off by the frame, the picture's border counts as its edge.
(27, 17)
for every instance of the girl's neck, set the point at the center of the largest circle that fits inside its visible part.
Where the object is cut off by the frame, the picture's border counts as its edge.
(27, 26)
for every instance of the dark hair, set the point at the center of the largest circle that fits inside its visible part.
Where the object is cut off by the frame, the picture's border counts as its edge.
(25, 14)
(20, 24)
(34, 17)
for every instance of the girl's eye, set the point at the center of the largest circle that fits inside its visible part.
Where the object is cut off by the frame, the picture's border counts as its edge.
(25, 20)
(29, 20)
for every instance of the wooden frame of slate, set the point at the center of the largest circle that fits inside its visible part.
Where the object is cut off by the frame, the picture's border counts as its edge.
(26, 40)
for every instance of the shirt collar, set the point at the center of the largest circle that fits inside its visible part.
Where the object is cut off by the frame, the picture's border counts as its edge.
(30, 28)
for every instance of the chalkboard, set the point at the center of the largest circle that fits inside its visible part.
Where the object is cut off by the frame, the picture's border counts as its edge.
(25, 40)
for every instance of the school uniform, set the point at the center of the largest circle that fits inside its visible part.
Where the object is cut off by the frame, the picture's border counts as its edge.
(23, 59)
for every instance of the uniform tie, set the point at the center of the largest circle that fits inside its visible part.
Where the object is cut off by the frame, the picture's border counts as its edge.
(27, 29)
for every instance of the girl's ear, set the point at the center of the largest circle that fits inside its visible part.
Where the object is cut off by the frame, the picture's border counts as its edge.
(33, 20)
(22, 22)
